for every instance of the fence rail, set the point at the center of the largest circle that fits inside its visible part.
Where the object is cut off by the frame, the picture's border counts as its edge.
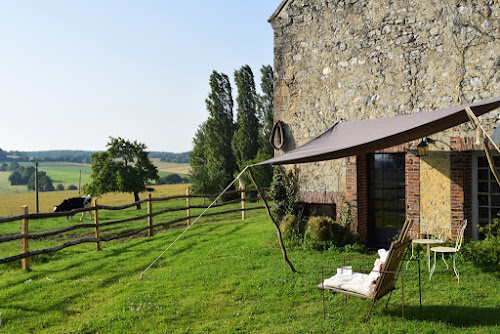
(25, 236)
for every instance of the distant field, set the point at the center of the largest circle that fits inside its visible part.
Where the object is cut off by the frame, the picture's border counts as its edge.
(67, 173)
(10, 204)
(6, 188)
(170, 167)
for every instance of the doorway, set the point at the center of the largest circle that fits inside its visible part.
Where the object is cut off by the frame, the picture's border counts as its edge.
(386, 197)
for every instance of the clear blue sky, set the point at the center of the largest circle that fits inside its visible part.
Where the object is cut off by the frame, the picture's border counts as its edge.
(73, 73)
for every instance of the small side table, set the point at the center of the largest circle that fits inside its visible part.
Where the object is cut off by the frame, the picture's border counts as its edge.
(427, 243)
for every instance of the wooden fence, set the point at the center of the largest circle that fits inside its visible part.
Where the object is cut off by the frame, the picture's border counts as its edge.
(25, 236)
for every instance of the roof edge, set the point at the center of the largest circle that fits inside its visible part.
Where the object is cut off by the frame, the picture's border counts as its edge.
(278, 10)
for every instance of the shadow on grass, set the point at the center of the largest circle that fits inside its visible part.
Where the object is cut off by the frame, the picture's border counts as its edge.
(453, 315)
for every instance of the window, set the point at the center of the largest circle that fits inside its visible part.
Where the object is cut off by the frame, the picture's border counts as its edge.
(487, 195)
(387, 203)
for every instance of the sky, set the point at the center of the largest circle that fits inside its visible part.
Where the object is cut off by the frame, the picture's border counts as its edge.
(73, 73)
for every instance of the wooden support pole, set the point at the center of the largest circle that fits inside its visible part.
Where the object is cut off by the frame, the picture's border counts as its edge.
(276, 226)
(243, 200)
(484, 141)
(150, 216)
(188, 204)
(25, 263)
(96, 221)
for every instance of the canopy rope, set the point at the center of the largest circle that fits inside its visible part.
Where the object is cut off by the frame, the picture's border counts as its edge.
(194, 222)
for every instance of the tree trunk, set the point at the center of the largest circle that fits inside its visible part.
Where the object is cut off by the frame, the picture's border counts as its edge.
(136, 197)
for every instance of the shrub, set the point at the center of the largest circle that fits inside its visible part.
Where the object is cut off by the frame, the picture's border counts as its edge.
(60, 187)
(487, 251)
(319, 228)
(72, 187)
(284, 192)
(290, 230)
(289, 225)
(324, 233)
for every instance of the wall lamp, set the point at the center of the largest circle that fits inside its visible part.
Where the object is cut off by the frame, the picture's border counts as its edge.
(423, 146)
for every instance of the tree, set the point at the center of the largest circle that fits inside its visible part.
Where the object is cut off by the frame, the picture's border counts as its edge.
(212, 159)
(44, 182)
(13, 166)
(266, 109)
(15, 178)
(246, 137)
(60, 187)
(199, 172)
(124, 167)
(3, 155)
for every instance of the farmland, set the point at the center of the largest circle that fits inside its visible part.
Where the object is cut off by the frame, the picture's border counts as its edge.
(66, 173)
(10, 204)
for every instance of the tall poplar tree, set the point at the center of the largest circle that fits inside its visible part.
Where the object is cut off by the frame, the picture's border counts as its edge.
(266, 108)
(246, 136)
(212, 160)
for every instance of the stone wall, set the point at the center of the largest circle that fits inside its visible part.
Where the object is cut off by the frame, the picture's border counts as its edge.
(346, 60)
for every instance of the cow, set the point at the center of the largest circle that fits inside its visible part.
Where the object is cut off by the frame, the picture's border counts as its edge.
(75, 203)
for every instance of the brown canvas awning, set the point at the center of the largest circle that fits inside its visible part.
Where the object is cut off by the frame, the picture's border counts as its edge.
(358, 137)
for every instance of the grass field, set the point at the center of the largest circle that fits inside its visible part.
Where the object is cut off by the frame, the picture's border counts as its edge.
(67, 173)
(226, 277)
(10, 205)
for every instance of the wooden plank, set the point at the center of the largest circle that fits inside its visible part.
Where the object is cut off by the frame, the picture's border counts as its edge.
(25, 262)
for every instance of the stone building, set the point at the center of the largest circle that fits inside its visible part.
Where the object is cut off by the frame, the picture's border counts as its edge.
(351, 60)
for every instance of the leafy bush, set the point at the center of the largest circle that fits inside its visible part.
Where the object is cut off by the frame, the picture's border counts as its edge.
(290, 230)
(320, 228)
(284, 192)
(59, 187)
(72, 187)
(487, 251)
(324, 233)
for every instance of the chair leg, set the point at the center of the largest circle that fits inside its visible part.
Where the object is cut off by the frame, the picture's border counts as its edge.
(369, 312)
(442, 256)
(323, 297)
(419, 285)
(388, 299)
(433, 267)
(407, 263)
(455, 267)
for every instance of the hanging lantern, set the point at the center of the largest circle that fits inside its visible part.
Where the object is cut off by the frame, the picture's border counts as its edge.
(423, 148)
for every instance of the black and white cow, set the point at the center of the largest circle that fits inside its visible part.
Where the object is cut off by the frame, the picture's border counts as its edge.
(75, 203)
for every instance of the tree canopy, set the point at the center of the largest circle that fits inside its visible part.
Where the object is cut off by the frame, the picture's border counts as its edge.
(246, 136)
(123, 167)
(220, 146)
(212, 160)
(266, 108)
(44, 182)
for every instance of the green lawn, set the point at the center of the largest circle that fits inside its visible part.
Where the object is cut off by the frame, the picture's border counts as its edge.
(6, 188)
(65, 173)
(225, 277)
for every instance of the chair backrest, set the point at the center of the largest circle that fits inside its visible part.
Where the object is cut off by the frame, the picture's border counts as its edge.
(436, 225)
(386, 281)
(460, 235)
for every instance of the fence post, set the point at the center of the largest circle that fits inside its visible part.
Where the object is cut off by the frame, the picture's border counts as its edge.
(25, 263)
(243, 200)
(188, 204)
(150, 216)
(96, 221)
